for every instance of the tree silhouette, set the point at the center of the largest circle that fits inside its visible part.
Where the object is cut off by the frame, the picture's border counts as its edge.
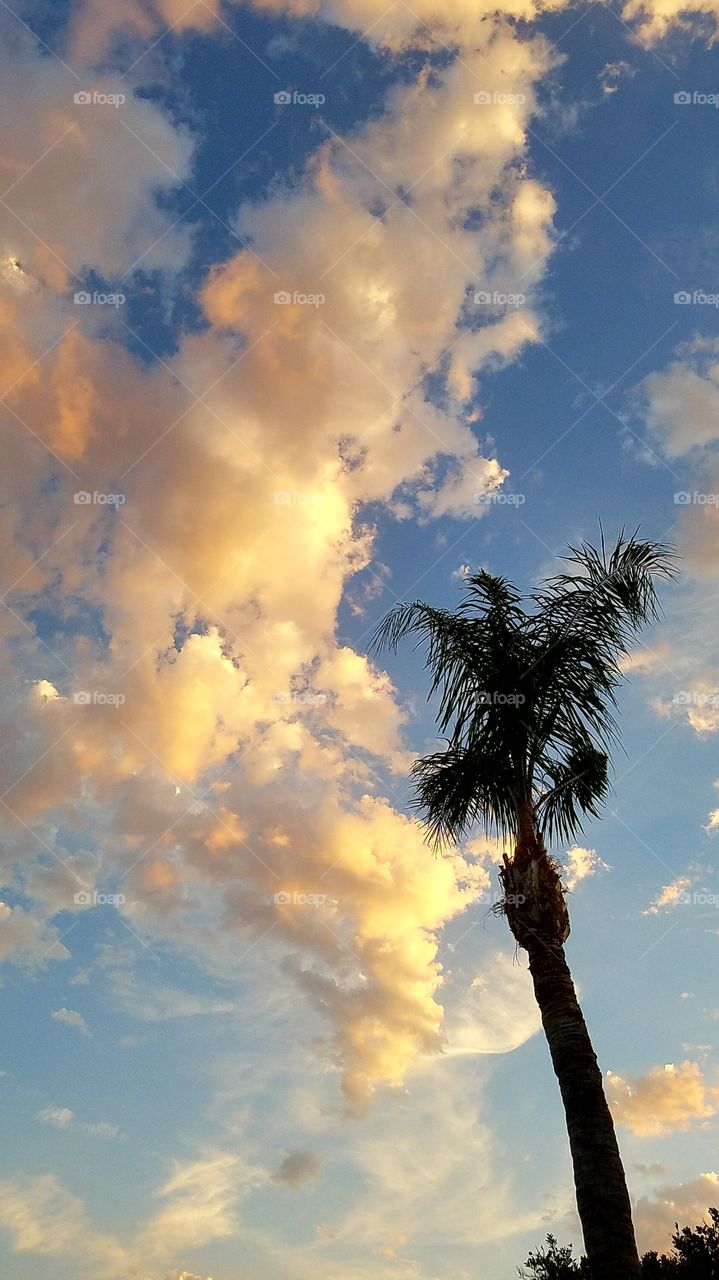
(694, 1256)
(526, 689)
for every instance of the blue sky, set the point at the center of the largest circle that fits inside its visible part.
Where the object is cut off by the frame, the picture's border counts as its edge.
(198, 1081)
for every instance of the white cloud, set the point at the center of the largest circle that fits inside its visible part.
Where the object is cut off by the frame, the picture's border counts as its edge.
(72, 1019)
(669, 896)
(58, 1117)
(582, 863)
(656, 20)
(64, 1118)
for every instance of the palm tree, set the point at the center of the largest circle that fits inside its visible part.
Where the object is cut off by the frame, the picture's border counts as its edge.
(527, 689)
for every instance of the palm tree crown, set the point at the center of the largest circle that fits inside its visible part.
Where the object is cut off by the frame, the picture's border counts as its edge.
(527, 689)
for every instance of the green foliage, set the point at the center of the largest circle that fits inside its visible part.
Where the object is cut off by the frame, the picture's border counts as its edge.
(694, 1256)
(553, 1263)
(526, 689)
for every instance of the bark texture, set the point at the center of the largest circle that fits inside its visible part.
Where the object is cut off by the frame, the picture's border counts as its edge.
(602, 1197)
(535, 907)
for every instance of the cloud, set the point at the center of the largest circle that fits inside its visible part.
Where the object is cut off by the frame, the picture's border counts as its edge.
(582, 863)
(95, 27)
(150, 1001)
(680, 404)
(665, 1099)
(43, 1217)
(27, 941)
(64, 1118)
(669, 896)
(226, 745)
(687, 1202)
(58, 1117)
(92, 198)
(198, 1204)
(655, 20)
(612, 73)
(72, 1019)
(298, 1169)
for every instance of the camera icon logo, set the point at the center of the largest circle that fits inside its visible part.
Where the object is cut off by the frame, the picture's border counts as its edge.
(682, 298)
(682, 498)
(283, 498)
(482, 299)
(282, 898)
(83, 899)
(82, 498)
(283, 98)
(683, 98)
(483, 98)
(82, 97)
(283, 298)
(82, 298)
(82, 698)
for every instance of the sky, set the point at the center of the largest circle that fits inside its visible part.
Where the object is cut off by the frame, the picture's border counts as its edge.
(306, 308)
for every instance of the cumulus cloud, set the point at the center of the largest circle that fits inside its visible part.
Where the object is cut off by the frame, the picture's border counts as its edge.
(687, 1202)
(229, 741)
(79, 186)
(582, 863)
(681, 402)
(669, 896)
(666, 1098)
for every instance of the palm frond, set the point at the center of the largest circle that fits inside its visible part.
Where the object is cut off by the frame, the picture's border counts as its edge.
(527, 688)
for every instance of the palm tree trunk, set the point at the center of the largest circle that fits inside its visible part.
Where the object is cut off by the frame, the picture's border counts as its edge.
(536, 911)
(602, 1196)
